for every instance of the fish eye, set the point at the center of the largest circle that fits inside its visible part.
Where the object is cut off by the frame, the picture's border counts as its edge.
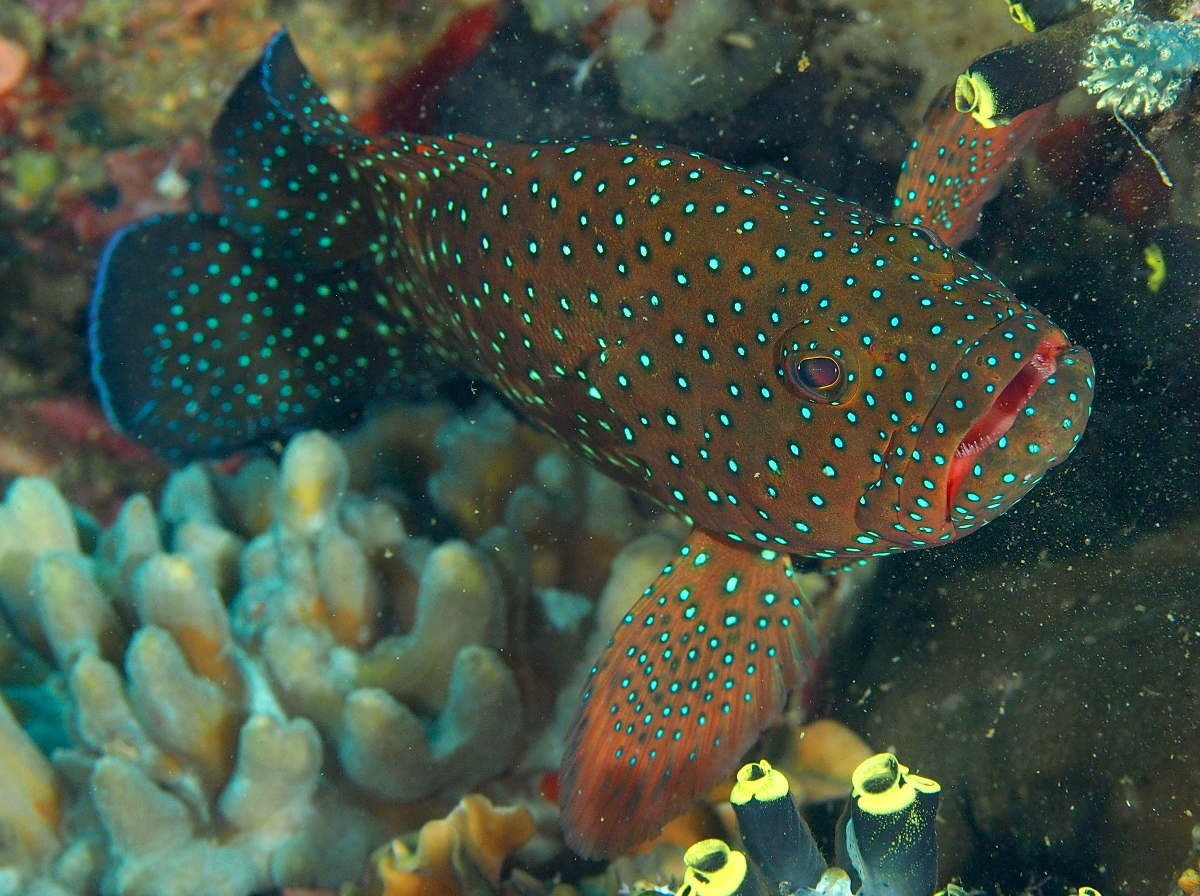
(819, 377)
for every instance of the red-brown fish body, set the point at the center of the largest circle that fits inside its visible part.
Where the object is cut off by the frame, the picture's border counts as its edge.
(787, 371)
(647, 306)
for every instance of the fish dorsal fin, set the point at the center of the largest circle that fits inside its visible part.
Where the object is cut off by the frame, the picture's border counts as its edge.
(955, 166)
(703, 662)
(287, 165)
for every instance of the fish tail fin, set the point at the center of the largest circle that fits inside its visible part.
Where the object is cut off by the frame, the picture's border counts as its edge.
(703, 662)
(955, 166)
(201, 346)
(288, 166)
(212, 333)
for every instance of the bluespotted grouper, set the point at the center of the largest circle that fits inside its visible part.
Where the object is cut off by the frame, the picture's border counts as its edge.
(788, 372)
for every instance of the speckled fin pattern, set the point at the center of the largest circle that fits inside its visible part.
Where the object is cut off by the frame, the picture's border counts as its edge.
(955, 166)
(702, 663)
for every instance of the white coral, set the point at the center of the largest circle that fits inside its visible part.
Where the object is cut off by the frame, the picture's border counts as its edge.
(226, 749)
(1138, 66)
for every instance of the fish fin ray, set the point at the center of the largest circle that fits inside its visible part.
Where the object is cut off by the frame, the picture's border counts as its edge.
(288, 166)
(202, 346)
(703, 662)
(292, 89)
(955, 166)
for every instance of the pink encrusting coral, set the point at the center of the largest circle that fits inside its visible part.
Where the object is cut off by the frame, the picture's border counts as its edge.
(148, 180)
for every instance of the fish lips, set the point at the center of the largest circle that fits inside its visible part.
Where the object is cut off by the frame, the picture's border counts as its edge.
(990, 477)
(1014, 406)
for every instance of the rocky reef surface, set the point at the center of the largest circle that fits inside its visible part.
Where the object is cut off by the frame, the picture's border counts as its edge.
(1056, 700)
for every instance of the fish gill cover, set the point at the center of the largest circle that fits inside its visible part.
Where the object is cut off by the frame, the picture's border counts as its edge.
(781, 368)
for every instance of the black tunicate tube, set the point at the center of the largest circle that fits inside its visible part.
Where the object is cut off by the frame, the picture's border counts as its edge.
(1035, 15)
(713, 869)
(886, 837)
(1006, 82)
(775, 834)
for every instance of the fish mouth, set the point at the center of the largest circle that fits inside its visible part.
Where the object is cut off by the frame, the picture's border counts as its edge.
(1013, 406)
(998, 419)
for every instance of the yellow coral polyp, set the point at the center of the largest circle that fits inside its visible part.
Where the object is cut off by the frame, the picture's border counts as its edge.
(307, 498)
(180, 571)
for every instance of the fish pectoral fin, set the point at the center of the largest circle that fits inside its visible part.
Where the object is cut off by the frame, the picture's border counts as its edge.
(955, 166)
(703, 662)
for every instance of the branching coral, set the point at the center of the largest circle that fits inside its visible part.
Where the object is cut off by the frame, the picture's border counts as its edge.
(1139, 66)
(258, 675)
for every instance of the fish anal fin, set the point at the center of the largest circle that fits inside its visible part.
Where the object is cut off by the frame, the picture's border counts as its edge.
(703, 662)
(955, 166)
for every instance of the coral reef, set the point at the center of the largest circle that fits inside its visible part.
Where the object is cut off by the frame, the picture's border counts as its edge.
(266, 678)
(158, 68)
(699, 56)
(1138, 66)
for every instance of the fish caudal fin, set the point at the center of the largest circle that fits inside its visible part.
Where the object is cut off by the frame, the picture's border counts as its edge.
(703, 662)
(955, 166)
(201, 347)
(213, 333)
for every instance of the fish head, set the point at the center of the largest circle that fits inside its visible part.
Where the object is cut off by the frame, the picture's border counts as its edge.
(959, 397)
(1014, 406)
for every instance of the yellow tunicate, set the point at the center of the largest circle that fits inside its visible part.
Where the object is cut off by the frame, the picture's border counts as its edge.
(713, 869)
(1021, 16)
(882, 786)
(973, 94)
(758, 780)
(1158, 267)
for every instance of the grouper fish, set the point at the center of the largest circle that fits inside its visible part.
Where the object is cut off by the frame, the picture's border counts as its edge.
(788, 372)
